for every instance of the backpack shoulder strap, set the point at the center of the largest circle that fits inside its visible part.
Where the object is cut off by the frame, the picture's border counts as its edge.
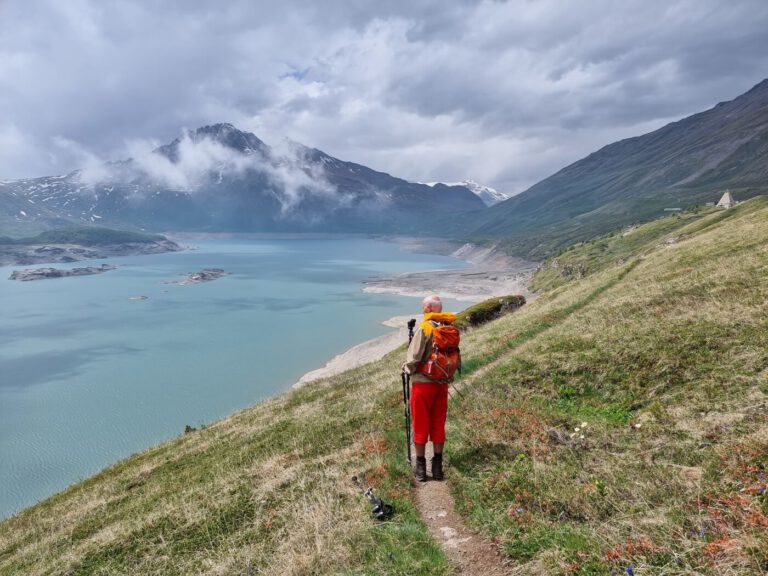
(428, 326)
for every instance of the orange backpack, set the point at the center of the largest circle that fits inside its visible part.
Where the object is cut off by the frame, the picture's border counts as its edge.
(445, 357)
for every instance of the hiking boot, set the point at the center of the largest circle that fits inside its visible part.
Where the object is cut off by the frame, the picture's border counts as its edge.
(420, 470)
(437, 467)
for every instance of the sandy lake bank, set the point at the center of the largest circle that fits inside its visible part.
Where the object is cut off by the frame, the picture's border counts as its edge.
(490, 273)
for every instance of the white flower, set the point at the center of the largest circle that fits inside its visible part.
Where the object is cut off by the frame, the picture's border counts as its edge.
(581, 436)
(583, 424)
(576, 429)
(638, 425)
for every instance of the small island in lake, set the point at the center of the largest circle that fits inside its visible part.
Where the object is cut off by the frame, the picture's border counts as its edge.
(205, 275)
(43, 273)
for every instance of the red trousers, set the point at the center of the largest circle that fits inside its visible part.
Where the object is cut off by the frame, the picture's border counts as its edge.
(429, 407)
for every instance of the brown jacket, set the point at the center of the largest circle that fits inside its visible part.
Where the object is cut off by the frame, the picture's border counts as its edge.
(417, 352)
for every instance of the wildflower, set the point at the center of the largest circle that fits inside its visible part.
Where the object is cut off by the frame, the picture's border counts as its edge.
(630, 571)
(638, 425)
(581, 436)
(583, 424)
(576, 429)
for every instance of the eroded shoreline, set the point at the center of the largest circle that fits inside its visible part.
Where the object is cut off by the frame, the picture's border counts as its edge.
(490, 274)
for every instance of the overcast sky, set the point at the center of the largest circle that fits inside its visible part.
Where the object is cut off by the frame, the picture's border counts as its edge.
(505, 93)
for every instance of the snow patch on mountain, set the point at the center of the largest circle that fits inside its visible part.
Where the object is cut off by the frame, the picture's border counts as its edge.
(488, 195)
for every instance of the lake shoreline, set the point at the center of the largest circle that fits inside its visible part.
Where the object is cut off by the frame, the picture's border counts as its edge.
(490, 273)
(156, 358)
(184, 345)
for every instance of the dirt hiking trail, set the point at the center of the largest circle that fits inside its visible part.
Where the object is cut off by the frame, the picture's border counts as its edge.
(470, 553)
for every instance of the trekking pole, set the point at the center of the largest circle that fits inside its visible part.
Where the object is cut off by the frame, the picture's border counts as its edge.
(407, 401)
(407, 394)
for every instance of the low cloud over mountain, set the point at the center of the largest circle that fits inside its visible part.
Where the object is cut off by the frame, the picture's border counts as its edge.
(220, 178)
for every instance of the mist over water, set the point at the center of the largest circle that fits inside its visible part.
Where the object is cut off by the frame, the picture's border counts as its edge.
(89, 376)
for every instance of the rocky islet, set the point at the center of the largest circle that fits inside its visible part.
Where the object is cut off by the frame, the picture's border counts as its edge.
(45, 273)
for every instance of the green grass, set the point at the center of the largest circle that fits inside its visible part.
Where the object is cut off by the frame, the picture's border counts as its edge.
(660, 348)
(584, 258)
(85, 236)
(665, 365)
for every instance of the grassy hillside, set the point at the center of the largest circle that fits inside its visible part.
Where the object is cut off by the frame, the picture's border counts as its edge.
(662, 352)
(85, 236)
(615, 249)
(267, 490)
(636, 427)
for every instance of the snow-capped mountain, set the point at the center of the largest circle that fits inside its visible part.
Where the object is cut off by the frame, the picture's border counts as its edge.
(219, 178)
(488, 195)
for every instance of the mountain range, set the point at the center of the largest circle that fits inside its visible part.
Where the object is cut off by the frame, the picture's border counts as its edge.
(219, 178)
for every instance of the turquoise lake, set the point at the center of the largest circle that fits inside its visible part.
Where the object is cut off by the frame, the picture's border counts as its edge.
(89, 376)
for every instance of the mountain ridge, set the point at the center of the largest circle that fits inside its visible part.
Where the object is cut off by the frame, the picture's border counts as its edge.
(219, 178)
(681, 164)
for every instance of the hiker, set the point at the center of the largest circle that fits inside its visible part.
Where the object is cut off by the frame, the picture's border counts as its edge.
(429, 395)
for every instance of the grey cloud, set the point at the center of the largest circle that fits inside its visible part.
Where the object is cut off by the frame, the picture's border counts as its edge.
(505, 91)
(601, 68)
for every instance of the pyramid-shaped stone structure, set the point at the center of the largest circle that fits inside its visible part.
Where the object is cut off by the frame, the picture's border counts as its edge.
(727, 200)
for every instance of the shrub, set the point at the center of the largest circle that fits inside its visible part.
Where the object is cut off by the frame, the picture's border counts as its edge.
(489, 310)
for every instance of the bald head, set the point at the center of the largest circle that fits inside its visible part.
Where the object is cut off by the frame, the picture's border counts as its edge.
(432, 303)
